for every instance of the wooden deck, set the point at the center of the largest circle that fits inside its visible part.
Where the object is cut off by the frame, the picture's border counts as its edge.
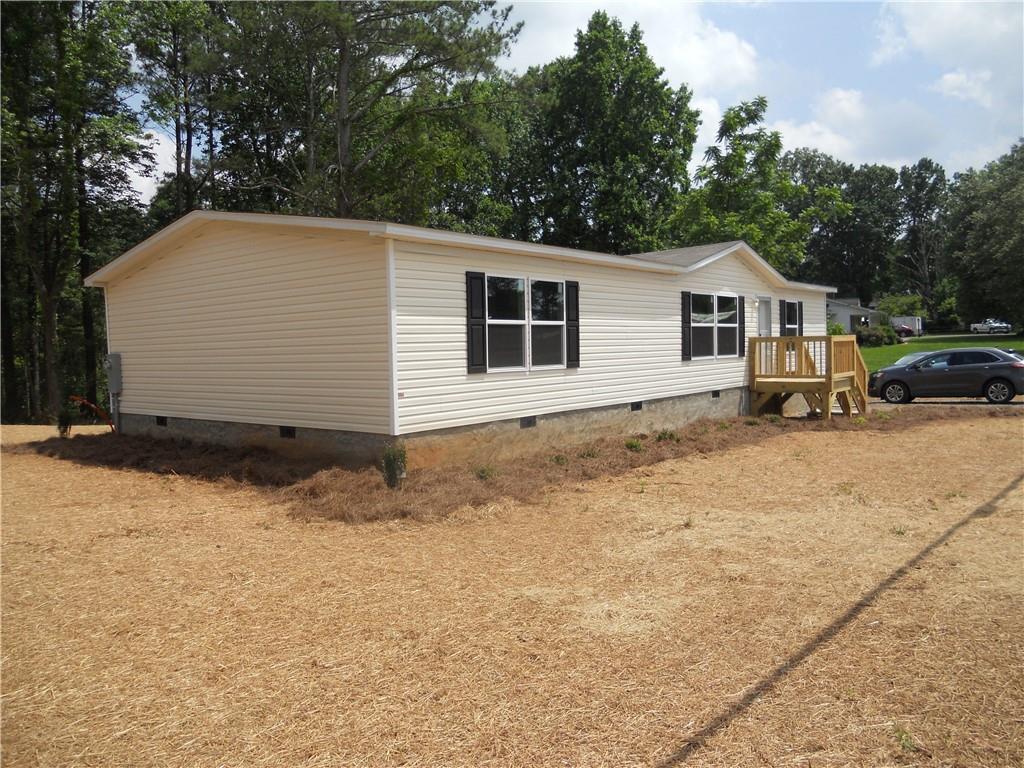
(825, 370)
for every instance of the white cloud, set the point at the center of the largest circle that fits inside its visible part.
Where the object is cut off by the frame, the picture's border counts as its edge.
(702, 55)
(707, 132)
(969, 86)
(979, 155)
(852, 127)
(951, 32)
(163, 155)
(691, 49)
(814, 134)
(892, 44)
(839, 106)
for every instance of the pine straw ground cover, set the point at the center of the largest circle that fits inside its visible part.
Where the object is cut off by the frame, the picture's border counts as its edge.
(819, 598)
(310, 487)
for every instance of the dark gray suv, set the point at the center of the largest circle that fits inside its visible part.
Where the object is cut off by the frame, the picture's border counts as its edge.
(996, 374)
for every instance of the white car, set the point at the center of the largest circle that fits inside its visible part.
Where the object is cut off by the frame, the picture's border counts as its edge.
(991, 326)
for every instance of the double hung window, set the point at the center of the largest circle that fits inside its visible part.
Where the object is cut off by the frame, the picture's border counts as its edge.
(525, 323)
(714, 325)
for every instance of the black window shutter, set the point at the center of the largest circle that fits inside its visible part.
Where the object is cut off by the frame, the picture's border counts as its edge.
(687, 346)
(572, 324)
(476, 323)
(782, 317)
(800, 318)
(741, 309)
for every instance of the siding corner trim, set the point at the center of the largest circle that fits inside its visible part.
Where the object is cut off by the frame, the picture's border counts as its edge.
(389, 253)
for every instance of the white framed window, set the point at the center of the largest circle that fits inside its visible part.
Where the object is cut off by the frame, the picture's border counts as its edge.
(702, 324)
(547, 324)
(714, 325)
(525, 323)
(727, 325)
(506, 322)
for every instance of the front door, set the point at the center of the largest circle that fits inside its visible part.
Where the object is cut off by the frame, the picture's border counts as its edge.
(764, 316)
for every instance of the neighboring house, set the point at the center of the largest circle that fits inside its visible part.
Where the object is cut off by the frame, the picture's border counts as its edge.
(851, 315)
(344, 334)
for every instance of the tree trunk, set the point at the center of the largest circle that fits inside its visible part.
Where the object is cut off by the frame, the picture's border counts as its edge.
(48, 305)
(210, 145)
(343, 201)
(36, 409)
(176, 74)
(311, 113)
(190, 196)
(33, 385)
(84, 270)
(12, 404)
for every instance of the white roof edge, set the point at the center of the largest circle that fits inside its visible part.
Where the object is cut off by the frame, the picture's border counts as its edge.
(851, 306)
(781, 280)
(402, 232)
(409, 233)
(480, 242)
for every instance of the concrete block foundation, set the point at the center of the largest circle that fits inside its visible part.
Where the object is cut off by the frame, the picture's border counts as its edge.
(498, 440)
(478, 443)
(347, 447)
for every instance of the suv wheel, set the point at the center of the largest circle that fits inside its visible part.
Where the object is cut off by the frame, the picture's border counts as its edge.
(999, 391)
(896, 392)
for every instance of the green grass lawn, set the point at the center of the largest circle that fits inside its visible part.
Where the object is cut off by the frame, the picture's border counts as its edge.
(879, 357)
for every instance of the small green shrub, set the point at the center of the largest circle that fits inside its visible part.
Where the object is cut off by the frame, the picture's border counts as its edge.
(484, 473)
(752, 422)
(634, 445)
(588, 453)
(882, 416)
(836, 329)
(724, 425)
(876, 336)
(904, 739)
(773, 418)
(860, 421)
(667, 435)
(560, 460)
(393, 464)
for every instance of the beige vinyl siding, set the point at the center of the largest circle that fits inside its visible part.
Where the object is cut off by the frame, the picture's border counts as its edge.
(630, 337)
(257, 324)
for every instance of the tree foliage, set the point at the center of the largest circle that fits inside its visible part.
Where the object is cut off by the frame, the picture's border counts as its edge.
(612, 144)
(742, 194)
(852, 250)
(68, 143)
(985, 250)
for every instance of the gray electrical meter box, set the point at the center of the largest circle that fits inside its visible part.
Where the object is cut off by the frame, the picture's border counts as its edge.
(113, 367)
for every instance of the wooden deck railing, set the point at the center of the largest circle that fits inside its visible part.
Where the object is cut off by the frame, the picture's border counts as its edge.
(826, 365)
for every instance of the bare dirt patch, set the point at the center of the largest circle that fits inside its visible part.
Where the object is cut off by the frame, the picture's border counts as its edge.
(818, 598)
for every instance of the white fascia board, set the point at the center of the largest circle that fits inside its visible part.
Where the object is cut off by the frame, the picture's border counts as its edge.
(193, 220)
(517, 247)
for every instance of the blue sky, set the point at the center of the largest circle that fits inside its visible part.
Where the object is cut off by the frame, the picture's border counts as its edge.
(865, 82)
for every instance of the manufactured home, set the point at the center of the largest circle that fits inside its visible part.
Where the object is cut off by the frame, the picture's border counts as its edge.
(343, 335)
(851, 315)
